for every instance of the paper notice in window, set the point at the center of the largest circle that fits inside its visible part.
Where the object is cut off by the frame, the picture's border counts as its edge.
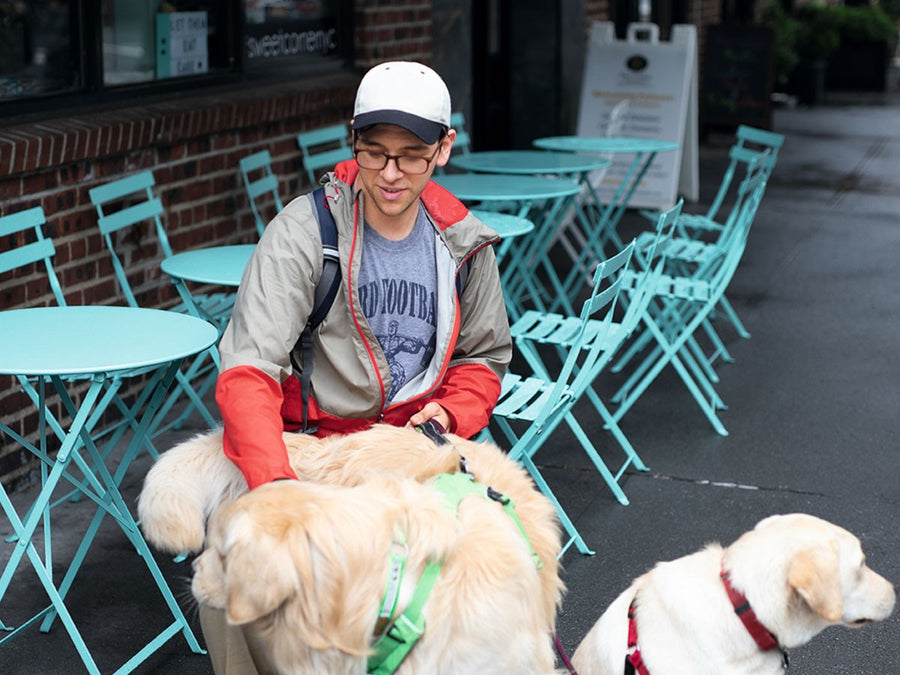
(181, 44)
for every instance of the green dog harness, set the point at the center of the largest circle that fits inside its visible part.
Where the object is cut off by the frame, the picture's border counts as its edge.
(395, 643)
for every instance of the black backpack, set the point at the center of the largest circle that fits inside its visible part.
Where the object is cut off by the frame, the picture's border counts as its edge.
(326, 289)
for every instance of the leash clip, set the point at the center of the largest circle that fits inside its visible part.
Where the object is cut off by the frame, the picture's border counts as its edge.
(434, 431)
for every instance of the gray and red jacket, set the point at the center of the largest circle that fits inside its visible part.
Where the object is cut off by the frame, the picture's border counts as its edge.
(257, 393)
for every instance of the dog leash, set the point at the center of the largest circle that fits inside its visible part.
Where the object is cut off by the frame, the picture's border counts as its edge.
(563, 656)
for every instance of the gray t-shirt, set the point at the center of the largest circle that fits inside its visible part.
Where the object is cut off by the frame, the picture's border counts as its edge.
(397, 284)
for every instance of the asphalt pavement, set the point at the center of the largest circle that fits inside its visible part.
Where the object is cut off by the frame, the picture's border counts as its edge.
(813, 399)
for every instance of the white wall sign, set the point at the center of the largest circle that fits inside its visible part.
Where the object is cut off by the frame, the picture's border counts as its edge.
(181, 44)
(659, 81)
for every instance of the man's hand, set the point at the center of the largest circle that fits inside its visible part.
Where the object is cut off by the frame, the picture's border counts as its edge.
(433, 411)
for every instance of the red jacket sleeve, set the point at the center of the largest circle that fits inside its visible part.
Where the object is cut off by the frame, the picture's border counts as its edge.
(468, 393)
(250, 403)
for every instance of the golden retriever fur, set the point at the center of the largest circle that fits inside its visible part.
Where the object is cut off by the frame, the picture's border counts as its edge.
(799, 573)
(306, 564)
(194, 480)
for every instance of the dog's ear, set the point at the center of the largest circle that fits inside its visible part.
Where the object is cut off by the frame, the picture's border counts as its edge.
(259, 576)
(814, 574)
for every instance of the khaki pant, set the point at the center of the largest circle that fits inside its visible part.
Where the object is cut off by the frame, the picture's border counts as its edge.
(233, 650)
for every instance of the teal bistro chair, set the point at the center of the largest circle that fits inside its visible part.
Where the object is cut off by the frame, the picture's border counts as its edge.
(678, 308)
(604, 335)
(691, 254)
(129, 202)
(322, 149)
(750, 145)
(262, 186)
(532, 407)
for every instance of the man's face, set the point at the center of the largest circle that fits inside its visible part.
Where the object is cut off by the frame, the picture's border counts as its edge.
(390, 191)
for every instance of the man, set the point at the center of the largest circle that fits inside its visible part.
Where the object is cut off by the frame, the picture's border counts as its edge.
(401, 344)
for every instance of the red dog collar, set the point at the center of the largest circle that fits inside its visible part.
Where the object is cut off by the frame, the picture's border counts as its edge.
(761, 635)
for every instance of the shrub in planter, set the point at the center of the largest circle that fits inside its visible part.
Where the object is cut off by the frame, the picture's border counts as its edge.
(867, 38)
(785, 30)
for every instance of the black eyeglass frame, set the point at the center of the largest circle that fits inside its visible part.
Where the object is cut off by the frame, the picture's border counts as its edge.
(397, 158)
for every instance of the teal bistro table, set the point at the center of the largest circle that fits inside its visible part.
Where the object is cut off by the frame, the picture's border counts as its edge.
(96, 350)
(604, 224)
(540, 200)
(215, 265)
(581, 168)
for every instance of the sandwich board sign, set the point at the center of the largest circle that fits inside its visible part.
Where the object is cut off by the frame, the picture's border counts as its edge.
(181, 44)
(659, 81)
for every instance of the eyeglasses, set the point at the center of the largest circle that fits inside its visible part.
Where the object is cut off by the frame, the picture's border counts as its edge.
(408, 164)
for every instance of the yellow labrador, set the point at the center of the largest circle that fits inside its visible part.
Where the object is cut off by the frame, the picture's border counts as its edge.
(796, 574)
(306, 565)
(193, 480)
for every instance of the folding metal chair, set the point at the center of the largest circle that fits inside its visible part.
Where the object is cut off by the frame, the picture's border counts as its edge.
(690, 252)
(323, 148)
(541, 403)
(261, 184)
(750, 144)
(535, 329)
(678, 307)
(128, 202)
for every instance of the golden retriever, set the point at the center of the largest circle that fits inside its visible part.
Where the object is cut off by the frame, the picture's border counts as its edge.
(306, 564)
(799, 574)
(193, 480)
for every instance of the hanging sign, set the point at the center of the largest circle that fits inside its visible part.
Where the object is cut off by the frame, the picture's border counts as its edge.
(181, 44)
(659, 81)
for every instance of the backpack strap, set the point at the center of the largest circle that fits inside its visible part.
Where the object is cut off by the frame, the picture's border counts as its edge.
(326, 290)
(328, 284)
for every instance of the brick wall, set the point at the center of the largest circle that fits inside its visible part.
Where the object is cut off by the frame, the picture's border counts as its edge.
(387, 30)
(192, 145)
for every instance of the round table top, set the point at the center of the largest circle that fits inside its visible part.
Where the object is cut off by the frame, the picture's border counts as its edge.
(87, 339)
(613, 144)
(505, 187)
(504, 224)
(528, 162)
(220, 265)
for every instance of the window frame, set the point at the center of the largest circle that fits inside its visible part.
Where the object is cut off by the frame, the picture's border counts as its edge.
(92, 93)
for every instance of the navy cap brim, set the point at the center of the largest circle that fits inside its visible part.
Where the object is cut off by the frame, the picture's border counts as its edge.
(427, 130)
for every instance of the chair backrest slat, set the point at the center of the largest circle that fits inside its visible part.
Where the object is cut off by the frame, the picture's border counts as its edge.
(40, 250)
(130, 215)
(122, 187)
(26, 255)
(21, 220)
(315, 159)
(263, 185)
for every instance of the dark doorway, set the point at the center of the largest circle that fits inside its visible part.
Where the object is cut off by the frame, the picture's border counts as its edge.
(527, 61)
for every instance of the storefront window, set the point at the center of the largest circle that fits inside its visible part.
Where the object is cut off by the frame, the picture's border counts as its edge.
(145, 40)
(38, 50)
(291, 34)
(97, 49)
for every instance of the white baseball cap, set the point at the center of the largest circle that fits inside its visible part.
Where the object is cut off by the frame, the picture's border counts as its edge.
(405, 93)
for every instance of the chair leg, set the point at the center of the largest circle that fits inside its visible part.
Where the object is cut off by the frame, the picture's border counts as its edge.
(598, 462)
(522, 453)
(574, 536)
(732, 316)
